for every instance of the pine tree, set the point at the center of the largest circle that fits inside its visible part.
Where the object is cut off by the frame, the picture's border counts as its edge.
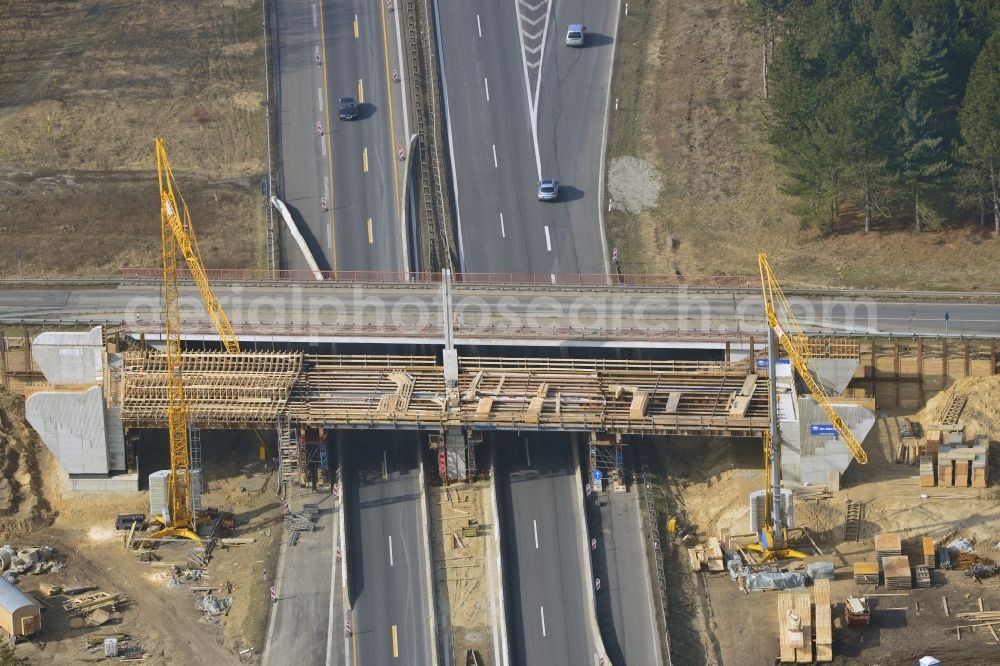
(980, 122)
(924, 152)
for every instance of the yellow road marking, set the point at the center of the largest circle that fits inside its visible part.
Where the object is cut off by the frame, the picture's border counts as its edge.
(361, 92)
(355, 26)
(395, 642)
(370, 240)
(354, 639)
(392, 124)
(364, 159)
(329, 145)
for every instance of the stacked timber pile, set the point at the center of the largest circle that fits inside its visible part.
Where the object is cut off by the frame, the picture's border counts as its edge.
(866, 573)
(795, 628)
(824, 621)
(963, 464)
(707, 555)
(927, 477)
(887, 544)
(930, 561)
(896, 570)
(87, 603)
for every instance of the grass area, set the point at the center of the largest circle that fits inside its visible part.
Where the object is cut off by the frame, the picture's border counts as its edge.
(690, 98)
(88, 85)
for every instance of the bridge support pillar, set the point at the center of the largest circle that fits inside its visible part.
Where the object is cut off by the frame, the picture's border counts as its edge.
(454, 449)
(606, 454)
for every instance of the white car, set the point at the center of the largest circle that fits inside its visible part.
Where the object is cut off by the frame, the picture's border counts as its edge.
(576, 34)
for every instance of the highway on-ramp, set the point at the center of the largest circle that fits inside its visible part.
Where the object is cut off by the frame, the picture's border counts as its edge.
(522, 106)
(386, 533)
(324, 51)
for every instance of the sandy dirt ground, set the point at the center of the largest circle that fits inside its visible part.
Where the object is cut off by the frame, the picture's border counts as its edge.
(689, 96)
(460, 584)
(88, 85)
(709, 481)
(161, 620)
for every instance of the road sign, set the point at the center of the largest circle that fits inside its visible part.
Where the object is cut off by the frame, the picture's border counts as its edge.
(442, 464)
(597, 583)
(822, 429)
(614, 255)
(587, 489)
(598, 475)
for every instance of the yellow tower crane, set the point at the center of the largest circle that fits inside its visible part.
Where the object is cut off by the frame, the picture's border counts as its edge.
(179, 239)
(773, 539)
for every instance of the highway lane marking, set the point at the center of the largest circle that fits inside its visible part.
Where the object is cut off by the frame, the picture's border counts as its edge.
(355, 26)
(392, 124)
(532, 57)
(354, 638)
(503, 232)
(322, 147)
(548, 240)
(495, 156)
(364, 159)
(534, 525)
(314, 15)
(391, 563)
(480, 26)
(527, 452)
(319, 96)
(370, 241)
(395, 643)
(487, 84)
(361, 92)
(541, 610)
(329, 141)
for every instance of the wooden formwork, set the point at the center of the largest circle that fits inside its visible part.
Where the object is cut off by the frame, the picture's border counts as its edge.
(223, 390)
(907, 372)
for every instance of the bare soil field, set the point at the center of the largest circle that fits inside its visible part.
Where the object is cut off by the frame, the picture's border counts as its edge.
(88, 85)
(708, 481)
(689, 93)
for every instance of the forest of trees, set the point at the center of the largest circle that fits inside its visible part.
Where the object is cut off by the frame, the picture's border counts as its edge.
(884, 109)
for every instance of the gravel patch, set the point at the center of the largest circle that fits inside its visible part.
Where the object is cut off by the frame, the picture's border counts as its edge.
(633, 184)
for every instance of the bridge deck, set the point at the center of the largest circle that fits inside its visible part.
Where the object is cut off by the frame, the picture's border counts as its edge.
(253, 388)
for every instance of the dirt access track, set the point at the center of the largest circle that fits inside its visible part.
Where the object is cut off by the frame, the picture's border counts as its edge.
(87, 86)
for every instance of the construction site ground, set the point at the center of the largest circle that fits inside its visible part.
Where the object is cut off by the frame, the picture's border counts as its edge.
(703, 194)
(461, 566)
(88, 85)
(708, 482)
(160, 619)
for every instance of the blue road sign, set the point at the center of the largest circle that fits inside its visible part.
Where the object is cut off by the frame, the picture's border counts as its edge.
(598, 475)
(762, 363)
(822, 429)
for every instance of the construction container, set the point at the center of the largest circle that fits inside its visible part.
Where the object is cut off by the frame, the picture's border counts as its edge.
(159, 492)
(20, 615)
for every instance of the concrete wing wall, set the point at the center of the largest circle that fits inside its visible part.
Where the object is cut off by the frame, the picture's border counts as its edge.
(72, 425)
(70, 357)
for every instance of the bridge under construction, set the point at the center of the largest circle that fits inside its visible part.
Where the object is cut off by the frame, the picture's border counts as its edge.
(90, 393)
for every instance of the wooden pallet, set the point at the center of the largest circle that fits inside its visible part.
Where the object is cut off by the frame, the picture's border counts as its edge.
(824, 621)
(800, 604)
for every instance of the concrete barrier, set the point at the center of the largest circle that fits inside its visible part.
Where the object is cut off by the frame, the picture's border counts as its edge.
(600, 654)
(297, 235)
(497, 587)
(428, 578)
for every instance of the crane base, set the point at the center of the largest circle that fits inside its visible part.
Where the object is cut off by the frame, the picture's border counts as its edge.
(179, 532)
(773, 554)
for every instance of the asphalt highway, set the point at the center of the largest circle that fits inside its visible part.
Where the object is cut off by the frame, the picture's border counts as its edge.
(385, 540)
(521, 106)
(351, 164)
(417, 309)
(547, 609)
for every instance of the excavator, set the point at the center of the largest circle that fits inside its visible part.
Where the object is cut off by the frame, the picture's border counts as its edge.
(179, 240)
(783, 329)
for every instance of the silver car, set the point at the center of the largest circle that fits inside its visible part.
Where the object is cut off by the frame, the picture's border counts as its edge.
(548, 189)
(575, 34)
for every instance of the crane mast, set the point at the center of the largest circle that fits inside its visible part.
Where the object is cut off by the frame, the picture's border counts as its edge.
(178, 238)
(774, 298)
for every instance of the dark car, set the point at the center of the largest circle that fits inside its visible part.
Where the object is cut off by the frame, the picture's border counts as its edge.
(348, 108)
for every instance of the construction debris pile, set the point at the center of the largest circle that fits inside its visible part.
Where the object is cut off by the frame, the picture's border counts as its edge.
(30, 560)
